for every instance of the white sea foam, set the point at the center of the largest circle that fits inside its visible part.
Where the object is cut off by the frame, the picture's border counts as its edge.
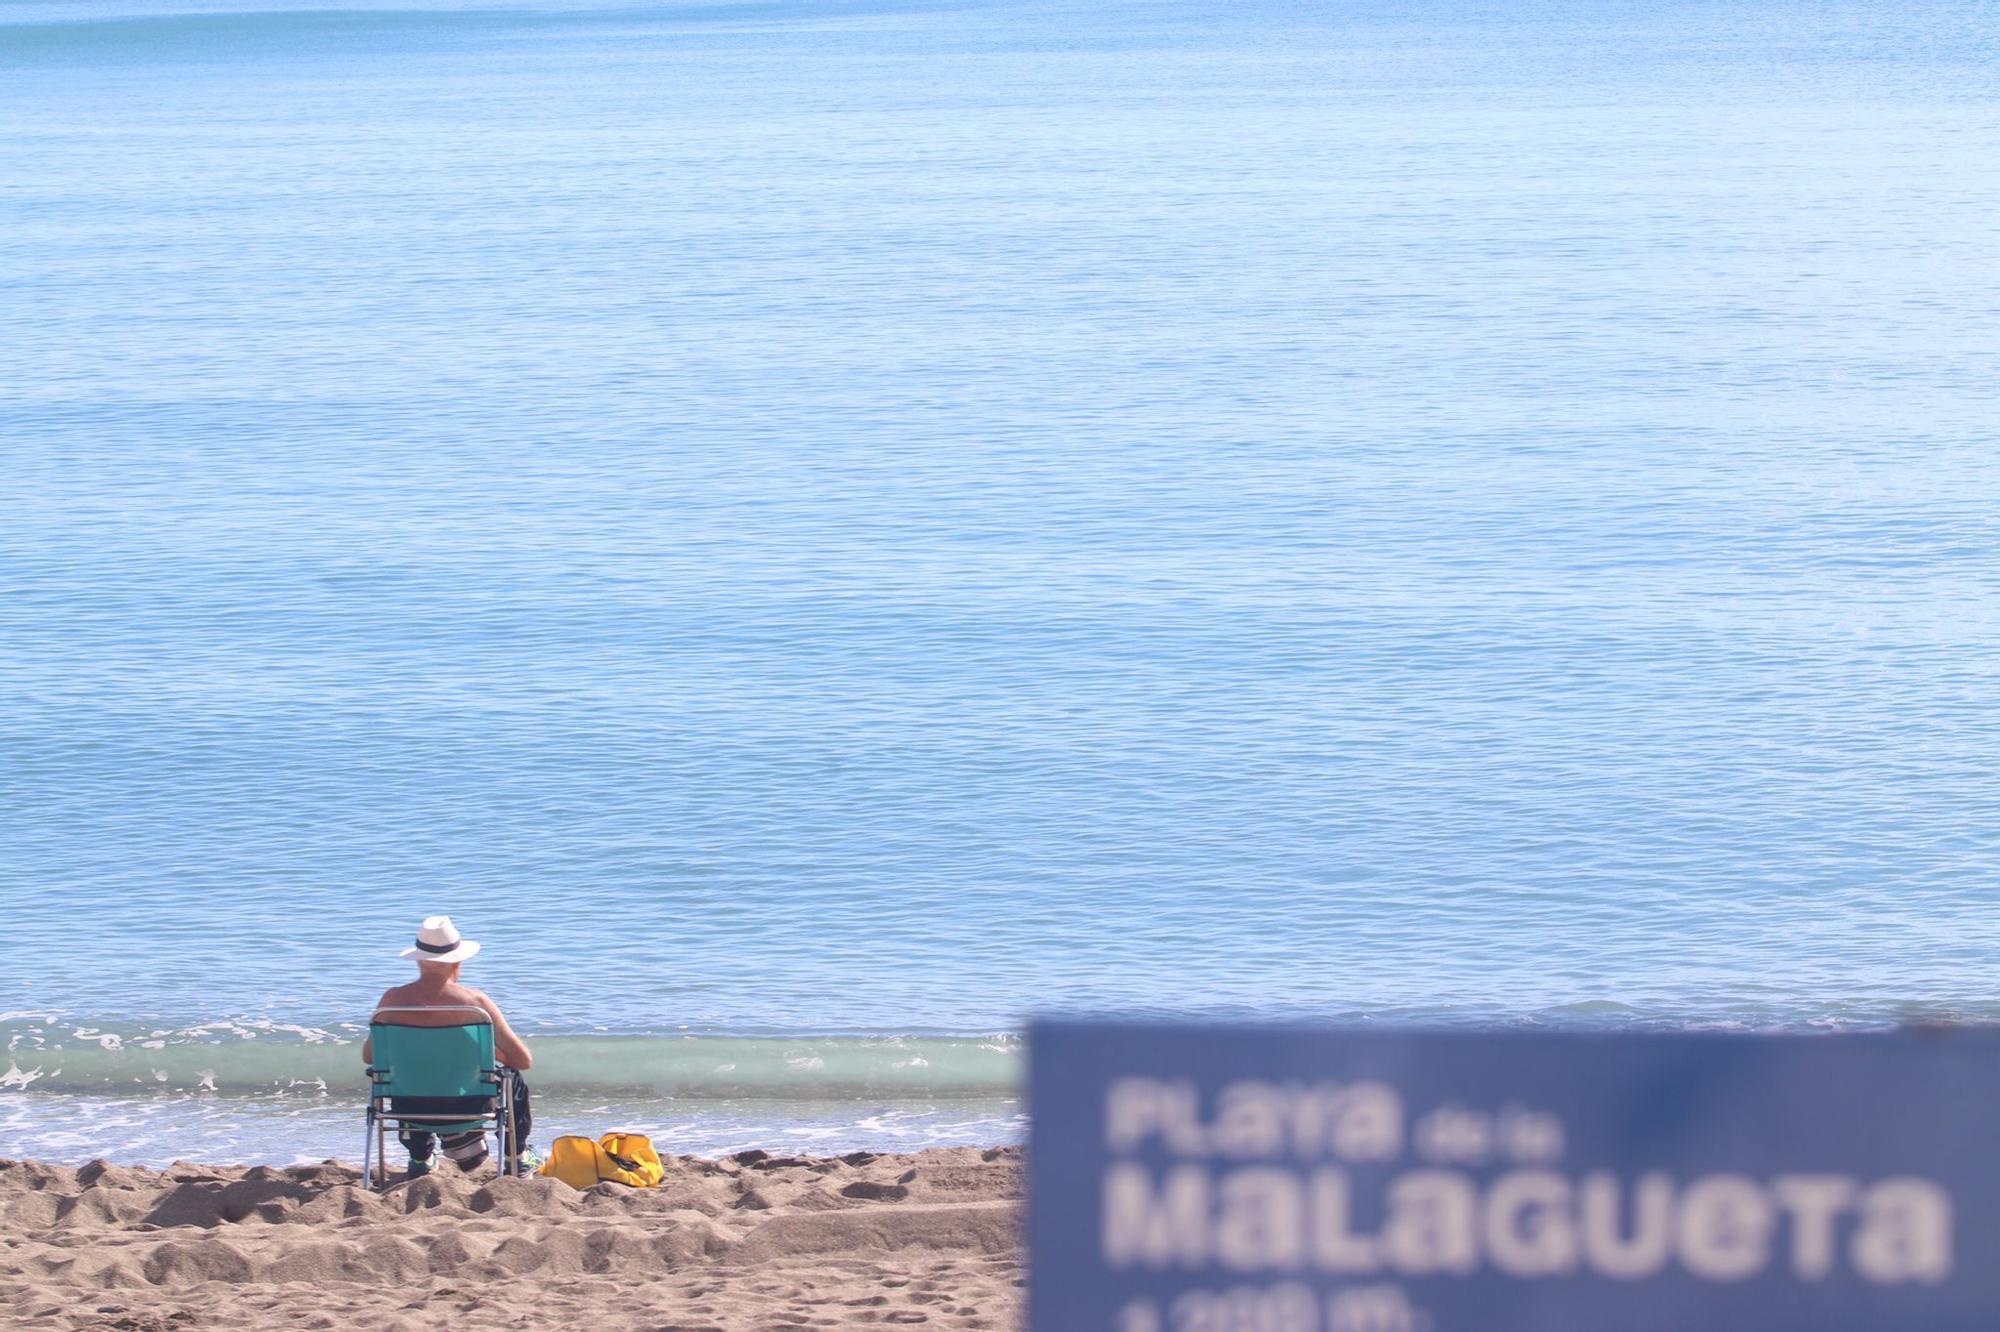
(269, 1127)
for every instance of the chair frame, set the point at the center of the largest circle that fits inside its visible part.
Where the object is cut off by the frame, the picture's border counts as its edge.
(499, 1119)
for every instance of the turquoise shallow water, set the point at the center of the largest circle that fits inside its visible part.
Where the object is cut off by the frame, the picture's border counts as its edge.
(847, 523)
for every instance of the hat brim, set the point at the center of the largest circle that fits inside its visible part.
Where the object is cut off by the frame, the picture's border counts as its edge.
(462, 950)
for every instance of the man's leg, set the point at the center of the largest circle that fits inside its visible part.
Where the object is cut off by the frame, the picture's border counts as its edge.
(418, 1143)
(467, 1151)
(524, 1118)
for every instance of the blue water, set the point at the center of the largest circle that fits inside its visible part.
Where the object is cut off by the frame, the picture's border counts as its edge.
(835, 525)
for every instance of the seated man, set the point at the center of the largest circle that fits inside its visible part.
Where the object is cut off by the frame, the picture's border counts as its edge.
(439, 952)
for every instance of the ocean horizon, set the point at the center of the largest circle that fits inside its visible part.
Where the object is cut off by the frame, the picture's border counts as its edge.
(820, 530)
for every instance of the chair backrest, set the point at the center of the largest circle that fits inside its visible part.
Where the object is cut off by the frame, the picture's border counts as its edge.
(426, 1060)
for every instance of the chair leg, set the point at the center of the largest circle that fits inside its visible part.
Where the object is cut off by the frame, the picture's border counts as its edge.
(367, 1143)
(508, 1148)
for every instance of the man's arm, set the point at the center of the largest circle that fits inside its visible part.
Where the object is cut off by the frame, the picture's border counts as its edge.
(506, 1044)
(368, 1042)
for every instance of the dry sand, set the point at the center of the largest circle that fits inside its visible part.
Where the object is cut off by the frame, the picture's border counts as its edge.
(749, 1242)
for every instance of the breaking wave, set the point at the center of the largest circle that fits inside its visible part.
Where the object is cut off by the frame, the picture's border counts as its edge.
(42, 1054)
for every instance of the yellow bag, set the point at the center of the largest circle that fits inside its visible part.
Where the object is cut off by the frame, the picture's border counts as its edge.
(629, 1158)
(622, 1158)
(573, 1161)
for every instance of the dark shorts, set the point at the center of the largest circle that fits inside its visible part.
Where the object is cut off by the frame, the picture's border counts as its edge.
(466, 1150)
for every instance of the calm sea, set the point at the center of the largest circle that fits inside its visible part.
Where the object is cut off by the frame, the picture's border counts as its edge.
(814, 529)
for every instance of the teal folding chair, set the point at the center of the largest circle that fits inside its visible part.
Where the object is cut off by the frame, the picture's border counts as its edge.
(435, 1079)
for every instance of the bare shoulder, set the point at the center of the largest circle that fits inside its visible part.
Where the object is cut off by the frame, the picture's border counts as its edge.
(481, 998)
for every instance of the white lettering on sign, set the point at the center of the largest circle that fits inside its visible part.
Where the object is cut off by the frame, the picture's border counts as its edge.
(1815, 1202)
(1725, 1228)
(1525, 1223)
(1373, 1309)
(1167, 1227)
(1432, 1225)
(1612, 1249)
(1253, 1120)
(1453, 1134)
(1905, 1232)
(1528, 1228)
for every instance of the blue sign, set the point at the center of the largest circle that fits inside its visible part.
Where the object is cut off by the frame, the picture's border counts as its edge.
(1258, 1179)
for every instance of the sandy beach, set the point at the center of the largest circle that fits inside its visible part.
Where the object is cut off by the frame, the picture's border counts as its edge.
(749, 1242)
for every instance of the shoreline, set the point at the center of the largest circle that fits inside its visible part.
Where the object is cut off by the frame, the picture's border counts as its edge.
(756, 1239)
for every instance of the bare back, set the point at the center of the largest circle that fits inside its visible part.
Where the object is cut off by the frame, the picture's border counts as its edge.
(449, 998)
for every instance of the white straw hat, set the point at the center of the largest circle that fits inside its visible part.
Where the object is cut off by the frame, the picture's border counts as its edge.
(438, 941)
